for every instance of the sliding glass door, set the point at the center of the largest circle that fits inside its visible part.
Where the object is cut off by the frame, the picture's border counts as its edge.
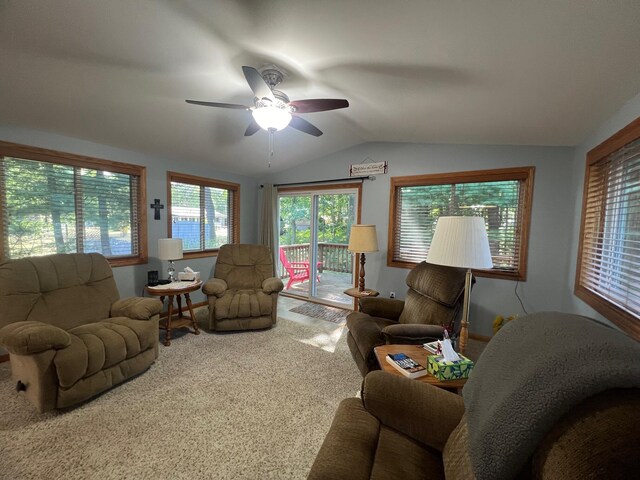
(314, 234)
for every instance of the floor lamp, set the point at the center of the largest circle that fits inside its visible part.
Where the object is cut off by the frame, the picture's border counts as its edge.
(461, 242)
(362, 239)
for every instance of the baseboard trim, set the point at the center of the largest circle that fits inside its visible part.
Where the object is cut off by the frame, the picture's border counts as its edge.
(4, 358)
(184, 308)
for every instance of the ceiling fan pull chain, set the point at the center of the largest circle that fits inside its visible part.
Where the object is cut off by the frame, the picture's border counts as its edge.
(271, 144)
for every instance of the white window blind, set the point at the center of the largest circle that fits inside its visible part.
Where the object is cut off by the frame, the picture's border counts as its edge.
(610, 257)
(202, 215)
(59, 208)
(501, 197)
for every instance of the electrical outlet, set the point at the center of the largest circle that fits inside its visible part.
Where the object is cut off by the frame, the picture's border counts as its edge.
(392, 294)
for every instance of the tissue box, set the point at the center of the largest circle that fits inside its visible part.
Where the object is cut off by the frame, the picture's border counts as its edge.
(443, 370)
(189, 277)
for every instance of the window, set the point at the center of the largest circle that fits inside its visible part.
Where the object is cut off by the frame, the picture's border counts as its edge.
(502, 197)
(608, 268)
(54, 202)
(203, 212)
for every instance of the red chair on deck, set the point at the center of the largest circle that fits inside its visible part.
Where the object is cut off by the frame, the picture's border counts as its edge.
(298, 271)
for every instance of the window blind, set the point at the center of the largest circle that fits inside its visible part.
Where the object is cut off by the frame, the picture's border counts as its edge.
(201, 215)
(610, 258)
(500, 203)
(58, 208)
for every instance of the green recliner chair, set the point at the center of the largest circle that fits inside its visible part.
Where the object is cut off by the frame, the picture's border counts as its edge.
(243, 295)
(433, 302)
(68, 334)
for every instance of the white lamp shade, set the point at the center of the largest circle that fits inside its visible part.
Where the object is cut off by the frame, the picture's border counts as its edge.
(363, 239)
(170, 248)
(271, 117)
(460, 242)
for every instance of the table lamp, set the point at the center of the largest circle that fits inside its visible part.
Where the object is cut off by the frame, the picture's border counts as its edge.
(170, 249)
(363, 239)
(461, 242)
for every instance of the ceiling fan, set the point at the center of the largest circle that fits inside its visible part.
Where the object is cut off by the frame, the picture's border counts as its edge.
(272, 109)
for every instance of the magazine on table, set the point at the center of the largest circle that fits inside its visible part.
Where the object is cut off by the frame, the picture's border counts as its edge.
(433, 347)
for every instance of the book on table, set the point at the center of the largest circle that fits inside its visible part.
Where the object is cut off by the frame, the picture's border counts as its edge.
(432, 347)
(406, 365)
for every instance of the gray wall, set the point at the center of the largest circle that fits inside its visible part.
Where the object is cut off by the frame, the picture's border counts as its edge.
(554, 225)
(546, 287)
(131, 279)
(629, 112)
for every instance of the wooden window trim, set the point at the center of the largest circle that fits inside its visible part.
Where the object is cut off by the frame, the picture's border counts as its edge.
(205, 182)
(626, 321)
(525, 174)
(27, 152)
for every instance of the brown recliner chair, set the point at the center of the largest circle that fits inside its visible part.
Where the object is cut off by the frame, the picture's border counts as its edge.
(530, 410)
(433, 302)
(243, 294)
(68, 335)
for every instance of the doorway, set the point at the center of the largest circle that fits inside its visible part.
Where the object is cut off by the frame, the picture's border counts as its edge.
(314, 227)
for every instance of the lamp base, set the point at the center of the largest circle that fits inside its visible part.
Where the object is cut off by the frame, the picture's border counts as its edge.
(361, 282)
(464, 324)
(171, 271)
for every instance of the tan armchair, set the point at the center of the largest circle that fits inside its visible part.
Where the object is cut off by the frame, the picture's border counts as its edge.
(559, 410)
(68, 334)
(243, 294)
(433, 302)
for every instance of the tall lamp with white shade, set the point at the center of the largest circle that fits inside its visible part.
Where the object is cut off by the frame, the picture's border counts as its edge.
(461, 242)
(170, 249)
(363, 239)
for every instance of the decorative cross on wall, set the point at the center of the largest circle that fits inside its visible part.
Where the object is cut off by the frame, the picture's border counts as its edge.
(157, 207)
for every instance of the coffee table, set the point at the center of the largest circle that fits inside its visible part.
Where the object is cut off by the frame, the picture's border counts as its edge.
(175, 290)
(420, 355)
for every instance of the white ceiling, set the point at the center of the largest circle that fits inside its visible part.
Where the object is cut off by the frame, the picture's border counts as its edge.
(117, 72)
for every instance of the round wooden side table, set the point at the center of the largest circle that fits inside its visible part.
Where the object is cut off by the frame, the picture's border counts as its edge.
(357, 294)
(169, 291)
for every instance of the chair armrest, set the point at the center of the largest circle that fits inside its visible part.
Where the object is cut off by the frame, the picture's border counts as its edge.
(382, 307)
(215, 286)
(138, 308)
(412, 333)
(272, 285)
(421, 411)
(24, 338)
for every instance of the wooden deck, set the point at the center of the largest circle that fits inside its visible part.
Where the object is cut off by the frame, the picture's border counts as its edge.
(329, 289)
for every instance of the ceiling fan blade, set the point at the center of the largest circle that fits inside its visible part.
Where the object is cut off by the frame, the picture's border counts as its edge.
(252, 128)
(257, 83)
(318, 105)
(216, 104)
(304, 126)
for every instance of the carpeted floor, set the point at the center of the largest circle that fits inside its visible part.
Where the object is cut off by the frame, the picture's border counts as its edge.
(217, 406)
(330, 314)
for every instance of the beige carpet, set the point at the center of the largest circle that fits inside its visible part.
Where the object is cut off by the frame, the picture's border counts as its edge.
(254, 405)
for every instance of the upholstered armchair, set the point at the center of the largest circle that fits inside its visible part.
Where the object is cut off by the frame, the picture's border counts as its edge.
(68, 334)
(433, 302)
(535, 407)
(243, 294)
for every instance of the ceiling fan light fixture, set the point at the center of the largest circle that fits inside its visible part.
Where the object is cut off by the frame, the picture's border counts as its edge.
(271, 117)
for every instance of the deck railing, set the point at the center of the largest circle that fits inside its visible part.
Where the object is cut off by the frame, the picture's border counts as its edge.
(334, 257)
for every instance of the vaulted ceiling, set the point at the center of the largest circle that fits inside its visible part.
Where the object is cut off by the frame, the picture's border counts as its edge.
(117, 72)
